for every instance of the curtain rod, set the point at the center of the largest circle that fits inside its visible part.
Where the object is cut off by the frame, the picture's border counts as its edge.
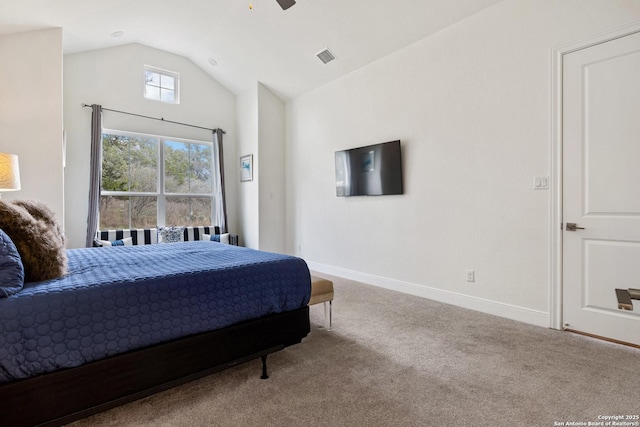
(155, 118)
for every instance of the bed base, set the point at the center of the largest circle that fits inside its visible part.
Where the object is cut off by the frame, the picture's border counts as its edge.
(64, 396)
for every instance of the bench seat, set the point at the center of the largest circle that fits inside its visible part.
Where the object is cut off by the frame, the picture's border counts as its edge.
(149, 236)
(322, 292)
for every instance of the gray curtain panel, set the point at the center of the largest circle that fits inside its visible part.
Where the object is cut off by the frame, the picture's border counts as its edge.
(93, 215)
(220, 214)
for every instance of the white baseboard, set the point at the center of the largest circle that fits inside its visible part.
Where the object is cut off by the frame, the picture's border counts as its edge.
(513, 312)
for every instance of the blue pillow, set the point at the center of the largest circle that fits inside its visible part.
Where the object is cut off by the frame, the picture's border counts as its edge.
(121, 242)
(11, 268)
(222, 238)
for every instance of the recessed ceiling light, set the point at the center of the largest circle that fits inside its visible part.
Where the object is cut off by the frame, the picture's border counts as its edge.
(213, 62)
(117, 34)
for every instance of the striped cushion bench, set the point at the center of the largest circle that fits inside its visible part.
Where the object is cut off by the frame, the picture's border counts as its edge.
(195, 233)
(139, 236)
(149, 236)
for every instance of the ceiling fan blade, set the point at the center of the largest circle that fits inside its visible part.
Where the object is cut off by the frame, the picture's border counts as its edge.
(286, 4)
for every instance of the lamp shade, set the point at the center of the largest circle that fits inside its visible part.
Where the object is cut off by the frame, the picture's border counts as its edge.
(9, 172)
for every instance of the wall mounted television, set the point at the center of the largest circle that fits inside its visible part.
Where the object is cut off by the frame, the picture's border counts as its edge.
(374, 170)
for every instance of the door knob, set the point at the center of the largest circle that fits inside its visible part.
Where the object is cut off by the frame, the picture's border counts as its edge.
(572, 226)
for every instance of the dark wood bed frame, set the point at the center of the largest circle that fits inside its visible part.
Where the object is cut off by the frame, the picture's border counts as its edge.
(64, 396)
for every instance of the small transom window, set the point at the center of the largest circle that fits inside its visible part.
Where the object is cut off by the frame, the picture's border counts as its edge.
(161, 85)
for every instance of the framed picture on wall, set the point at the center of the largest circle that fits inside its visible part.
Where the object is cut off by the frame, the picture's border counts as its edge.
(246, 168)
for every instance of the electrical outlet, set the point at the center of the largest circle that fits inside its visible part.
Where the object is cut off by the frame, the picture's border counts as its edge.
(471, 276)
(541, 183)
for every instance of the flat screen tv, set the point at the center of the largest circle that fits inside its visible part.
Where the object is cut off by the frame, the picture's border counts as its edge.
(374, 170)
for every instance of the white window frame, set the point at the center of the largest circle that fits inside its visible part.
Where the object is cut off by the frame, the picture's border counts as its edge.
(160, 190)
(162, 72)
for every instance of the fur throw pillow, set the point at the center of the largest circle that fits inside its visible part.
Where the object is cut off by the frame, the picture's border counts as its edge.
(34, 230)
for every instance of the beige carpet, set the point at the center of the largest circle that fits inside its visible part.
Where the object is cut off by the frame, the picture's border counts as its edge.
(398, 360)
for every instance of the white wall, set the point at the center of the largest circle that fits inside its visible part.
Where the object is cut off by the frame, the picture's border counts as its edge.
(248, 191)
(271, 118)
(114, 79)
(31, 113)
(261, 133)
(471, 105)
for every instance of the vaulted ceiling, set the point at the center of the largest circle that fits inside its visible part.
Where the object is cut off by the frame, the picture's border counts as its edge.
(263, 43)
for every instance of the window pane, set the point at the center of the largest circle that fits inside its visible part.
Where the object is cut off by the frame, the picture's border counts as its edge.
(143, 165)
(115, 163)
(144, 212)
(114, 212)
(176, 167)
(176, 211)
(187, 167)
(200, 211)
(183, 210)
(128, 212)
(152, 92)
(200, 168)
(152, 78)
(167, 95)
(167, 82)
(129, 163)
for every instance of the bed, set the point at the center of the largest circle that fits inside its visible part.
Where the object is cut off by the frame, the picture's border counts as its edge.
(129, 321)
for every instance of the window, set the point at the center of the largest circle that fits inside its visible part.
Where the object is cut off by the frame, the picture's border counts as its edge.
(149, 180)
(161, 85)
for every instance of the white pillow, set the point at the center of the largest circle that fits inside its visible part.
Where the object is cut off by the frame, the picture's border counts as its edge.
(222, 238)
(170, 234)
(122, 242)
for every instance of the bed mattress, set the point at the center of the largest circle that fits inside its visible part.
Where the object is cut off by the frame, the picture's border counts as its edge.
(117, 299)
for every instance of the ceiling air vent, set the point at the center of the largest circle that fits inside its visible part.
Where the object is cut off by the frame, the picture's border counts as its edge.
(326, 56)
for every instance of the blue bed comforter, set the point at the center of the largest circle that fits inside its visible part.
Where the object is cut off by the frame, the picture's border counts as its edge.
(117, 299)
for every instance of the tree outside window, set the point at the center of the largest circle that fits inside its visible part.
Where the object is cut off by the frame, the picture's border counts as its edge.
(149, 181)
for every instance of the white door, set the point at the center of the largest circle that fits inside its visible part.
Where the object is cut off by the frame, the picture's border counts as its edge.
(601, 189)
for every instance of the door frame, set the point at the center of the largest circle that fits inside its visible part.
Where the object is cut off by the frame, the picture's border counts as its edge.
(556, 244)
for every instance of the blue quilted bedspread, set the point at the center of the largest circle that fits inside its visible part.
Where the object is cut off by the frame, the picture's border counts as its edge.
(117, 299)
